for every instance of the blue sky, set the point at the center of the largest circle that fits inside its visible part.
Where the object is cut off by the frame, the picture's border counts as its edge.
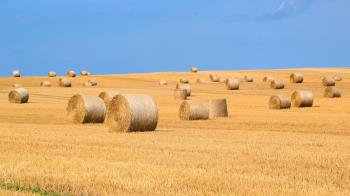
(120, 36)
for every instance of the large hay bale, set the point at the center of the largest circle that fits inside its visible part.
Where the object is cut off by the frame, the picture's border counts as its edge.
(86, 109)
(202, 81)
(277, 84)
(194, 110)
(214, 78)
(52, 74)
(337, 78)
(217, 108)
(163, 83)
(107, 97)
(194, 69)
(267, 79)
(84, 73)
(17, 85)
(184, 80)
(71, 74)
(65, 82)
(18, 95)
(296, 78)
(223, 80)
(331, 92)
(45, 83)
(180, 94)
(232, 84)
(279, 102)
(328, 81)
(16, 73)
(302, 98)
(248, 79)
(186, 87)
(129, 113)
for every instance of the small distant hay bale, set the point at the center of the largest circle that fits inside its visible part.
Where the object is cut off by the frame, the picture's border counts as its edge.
(277, 84)
(296, 78)
(214, 78)
(194, 110)
(17, 85)
(194, 69)
(279, 102)
(86, 109)
(84, 73)
(248, 79)
(223, 80)
(92, 82)
(217, 108)
(267, 79)
(202, 81)
(180, 94)
(52, 74)
(16, 73)
(328, 81)
(131, 113)
(71, 74)
(45, 83)
(18, 95)
(331, 92)
(65, 82)
(337, 78)
(184, 80)
(302, 98)
(163, 83)
(87, 84)
(232, 84)
(184, 86)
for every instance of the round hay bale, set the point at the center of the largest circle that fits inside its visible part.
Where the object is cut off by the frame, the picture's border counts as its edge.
(337, 78)
(248, 79)
(194, 69)
(232, 84)
(223, 80)
(52, 74)
(331, 92)
(87, 84)
(18, 95)
(277, 84)
(296, 78)
(86, 109)
(45, 83)
(184, 80)
(163, 83)
(217, 108)
(202, 81)
(129, 113)
(214, 77)
(84, 73)
(180, 94)
(328, 81)
(71, 74)
(194, 110)
(107, 97)
(17, 85)
(302, 98)
(65, 82)
(16, 73)
(92, 82)
(186, 87)
(267, 79)
(279, 102)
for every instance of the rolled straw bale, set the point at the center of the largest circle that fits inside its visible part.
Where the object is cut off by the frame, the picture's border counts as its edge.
(45, 83)
(17, 85)
(277, 84)
(86, 109)
(84, 73)
(267, 79)
(331, 92)
(186, 87)
(71, 74)
(163, 83)
(279, 102)
(18, 95)
(296, 78)
(130, 112)
(214, 77)
(202, 81)
(92, 82)
(180, 94)
(194, 110)
(217, 108)
(248, 79)
(52, 74)
(65, 82)
(302, 98)
(184, 80)
(328, 81)
(16, 73)
(194, 69)
(232, 84)
(337, 78)
(87, 84)
(107, 97)
(223, 80)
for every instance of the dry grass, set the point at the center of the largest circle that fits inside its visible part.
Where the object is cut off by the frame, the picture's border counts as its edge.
(254, 151)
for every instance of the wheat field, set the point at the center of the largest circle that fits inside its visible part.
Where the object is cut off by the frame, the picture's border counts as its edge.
(255, 151)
